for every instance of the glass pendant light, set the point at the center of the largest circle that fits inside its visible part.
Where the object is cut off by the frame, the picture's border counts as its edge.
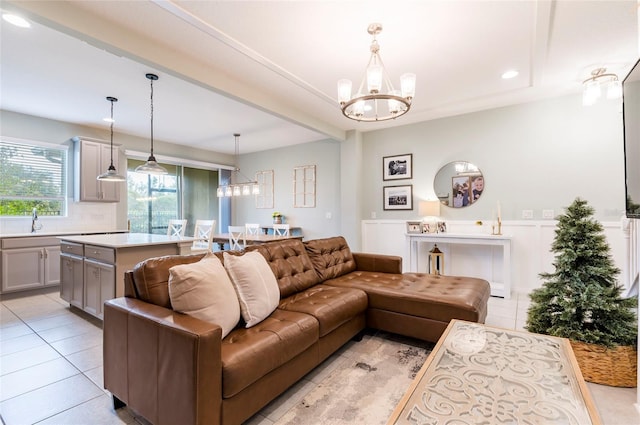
(111, 175)
(151, 166)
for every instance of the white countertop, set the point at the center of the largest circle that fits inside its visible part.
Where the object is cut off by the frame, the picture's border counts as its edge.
(60, 233)
(123, 240)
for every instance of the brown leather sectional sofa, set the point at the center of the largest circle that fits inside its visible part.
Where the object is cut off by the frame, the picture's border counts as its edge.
(175, 369)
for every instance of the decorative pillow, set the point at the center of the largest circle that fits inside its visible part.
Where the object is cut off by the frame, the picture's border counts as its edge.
(204, 290)
(255, 285)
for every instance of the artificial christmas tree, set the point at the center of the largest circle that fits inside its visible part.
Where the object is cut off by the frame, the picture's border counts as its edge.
(581, 300)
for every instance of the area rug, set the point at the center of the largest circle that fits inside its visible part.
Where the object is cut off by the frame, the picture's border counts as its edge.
(366, 386)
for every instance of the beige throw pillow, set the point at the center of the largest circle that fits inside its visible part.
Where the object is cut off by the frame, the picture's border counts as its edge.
(255, 285)
(203, 290)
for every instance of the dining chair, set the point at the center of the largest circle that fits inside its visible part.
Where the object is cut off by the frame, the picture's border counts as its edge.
(281, 230)
(237, 238)
(176, 227)
(203, 232)
(252, 228)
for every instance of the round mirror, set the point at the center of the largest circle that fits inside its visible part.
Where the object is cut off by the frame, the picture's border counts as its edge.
(458, 184)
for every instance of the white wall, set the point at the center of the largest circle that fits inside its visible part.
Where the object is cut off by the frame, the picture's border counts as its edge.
(325, 155)
(530, 249)
(534, 156)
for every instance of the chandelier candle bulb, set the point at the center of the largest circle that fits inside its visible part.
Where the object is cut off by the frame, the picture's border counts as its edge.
(408, 85)
(344, 91)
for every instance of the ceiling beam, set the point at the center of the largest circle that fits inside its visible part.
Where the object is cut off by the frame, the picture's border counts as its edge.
(64, 17)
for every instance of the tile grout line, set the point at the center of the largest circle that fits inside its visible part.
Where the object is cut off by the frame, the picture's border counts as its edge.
(61, 355)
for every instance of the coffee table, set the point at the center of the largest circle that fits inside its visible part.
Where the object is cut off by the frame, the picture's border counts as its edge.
(477, 374)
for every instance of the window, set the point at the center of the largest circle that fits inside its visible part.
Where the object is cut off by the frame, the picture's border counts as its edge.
(32, 175)
(184, 193)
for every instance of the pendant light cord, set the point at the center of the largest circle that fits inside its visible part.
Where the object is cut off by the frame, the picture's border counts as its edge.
(151, 79)
(112, 100)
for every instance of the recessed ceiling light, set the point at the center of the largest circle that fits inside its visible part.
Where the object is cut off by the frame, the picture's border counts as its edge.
(510, 74)
(108, 119)
(16, 20)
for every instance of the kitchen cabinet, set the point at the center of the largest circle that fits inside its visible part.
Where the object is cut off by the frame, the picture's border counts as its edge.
(92, 158)
(103, 260)
(30, 263)
(72, 274)
(99, 277)
(99, 285)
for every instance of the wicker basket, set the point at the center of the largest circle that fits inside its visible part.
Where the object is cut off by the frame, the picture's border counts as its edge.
(616, 367)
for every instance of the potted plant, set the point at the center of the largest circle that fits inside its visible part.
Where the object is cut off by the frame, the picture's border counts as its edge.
(277, 217)
(581, 300)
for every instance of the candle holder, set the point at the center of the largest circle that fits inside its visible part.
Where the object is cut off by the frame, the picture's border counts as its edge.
(496, 229)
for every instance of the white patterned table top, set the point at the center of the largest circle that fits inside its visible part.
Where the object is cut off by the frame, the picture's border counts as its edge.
(478, 374)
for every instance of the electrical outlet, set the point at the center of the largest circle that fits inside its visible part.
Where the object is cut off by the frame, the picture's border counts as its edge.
(373, 214)
(327, 215)
(527, 214)
(548, 214)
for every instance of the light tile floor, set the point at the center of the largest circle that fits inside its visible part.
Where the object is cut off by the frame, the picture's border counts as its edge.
(51, 367)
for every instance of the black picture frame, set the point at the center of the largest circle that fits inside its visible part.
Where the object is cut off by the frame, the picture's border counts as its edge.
(397, 197)
(397, 167)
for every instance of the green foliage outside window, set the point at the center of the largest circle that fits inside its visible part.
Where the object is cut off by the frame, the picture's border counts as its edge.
(32, 176)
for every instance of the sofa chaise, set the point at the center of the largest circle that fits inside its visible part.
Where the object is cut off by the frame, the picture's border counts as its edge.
(173, 368)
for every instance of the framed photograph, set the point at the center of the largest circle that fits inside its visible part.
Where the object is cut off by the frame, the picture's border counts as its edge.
(461, 188)
(398, 197)
(414, 227)
(397, 167)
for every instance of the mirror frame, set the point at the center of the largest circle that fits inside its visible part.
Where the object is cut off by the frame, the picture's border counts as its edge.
(458, 175)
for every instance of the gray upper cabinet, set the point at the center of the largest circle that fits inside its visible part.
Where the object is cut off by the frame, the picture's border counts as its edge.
(92, 158)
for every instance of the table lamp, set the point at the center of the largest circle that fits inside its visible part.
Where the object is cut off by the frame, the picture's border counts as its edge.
(430, 211)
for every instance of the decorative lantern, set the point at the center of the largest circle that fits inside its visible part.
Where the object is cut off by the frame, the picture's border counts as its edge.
(436, 261)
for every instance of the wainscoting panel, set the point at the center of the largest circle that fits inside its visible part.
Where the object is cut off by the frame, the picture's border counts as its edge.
(530, 249)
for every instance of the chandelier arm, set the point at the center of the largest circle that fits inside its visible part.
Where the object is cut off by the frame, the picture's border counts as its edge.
(385, 77)
(613, 77)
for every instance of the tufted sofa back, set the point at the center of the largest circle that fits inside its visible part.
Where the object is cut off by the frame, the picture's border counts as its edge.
(297, 266)
(331, 257)
(151, 277)
(290, 264)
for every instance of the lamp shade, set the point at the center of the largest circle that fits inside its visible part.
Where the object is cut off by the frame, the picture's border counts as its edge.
(429, 208)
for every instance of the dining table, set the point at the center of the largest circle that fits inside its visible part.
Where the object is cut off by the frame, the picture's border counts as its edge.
(268, 229)
(223, 238)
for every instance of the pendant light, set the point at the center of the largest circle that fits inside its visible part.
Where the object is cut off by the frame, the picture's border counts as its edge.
(235, 187)
(111, 175)
(151, 166)
(380, 101)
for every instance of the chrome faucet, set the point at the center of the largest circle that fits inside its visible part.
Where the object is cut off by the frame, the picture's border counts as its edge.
(34, 221)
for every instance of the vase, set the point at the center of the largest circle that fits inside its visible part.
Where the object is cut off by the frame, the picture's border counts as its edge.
(277, 220)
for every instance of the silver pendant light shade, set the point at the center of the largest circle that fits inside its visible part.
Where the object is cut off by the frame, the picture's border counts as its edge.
(151, 166)
(111, 175)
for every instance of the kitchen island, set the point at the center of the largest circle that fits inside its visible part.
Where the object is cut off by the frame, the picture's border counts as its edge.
(92, 267)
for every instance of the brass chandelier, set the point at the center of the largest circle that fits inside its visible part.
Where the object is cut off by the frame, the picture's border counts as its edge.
(381, 101)
(600, 78)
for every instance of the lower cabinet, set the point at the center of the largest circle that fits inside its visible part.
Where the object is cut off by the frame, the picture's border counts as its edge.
(72, 279)
(88, 276)
(30, 263)
(99, 285)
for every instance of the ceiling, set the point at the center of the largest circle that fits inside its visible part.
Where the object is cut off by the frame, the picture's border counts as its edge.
(268, 69)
